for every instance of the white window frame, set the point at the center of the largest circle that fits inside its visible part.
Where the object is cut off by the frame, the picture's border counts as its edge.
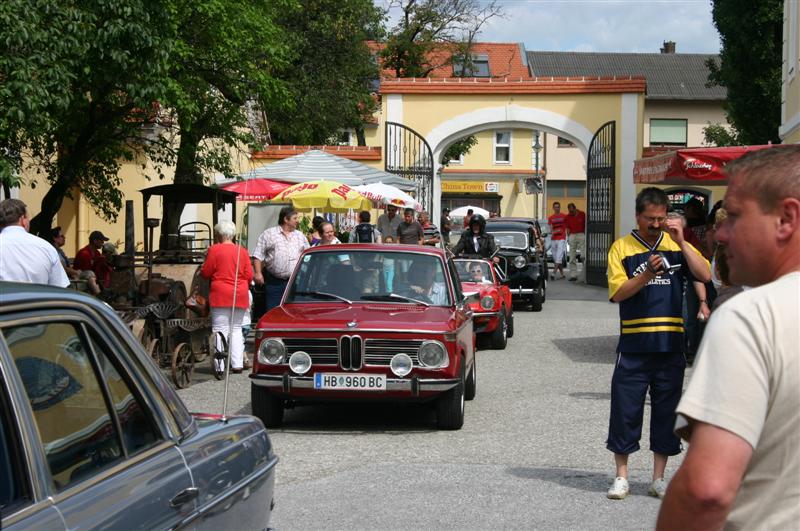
(495, 145)
(675, 144)
(459, 161)
(791, 35)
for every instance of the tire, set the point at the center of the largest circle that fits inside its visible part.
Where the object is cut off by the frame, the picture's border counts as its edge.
(510, 324)
(450, 406)
(536, 302)
(500, 334)
(266, 406)
(471, 385)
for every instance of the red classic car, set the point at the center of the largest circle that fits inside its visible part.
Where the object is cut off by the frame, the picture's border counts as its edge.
(490, 300)
(367, 322)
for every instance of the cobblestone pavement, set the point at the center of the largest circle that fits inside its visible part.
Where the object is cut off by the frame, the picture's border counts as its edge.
(531, 454)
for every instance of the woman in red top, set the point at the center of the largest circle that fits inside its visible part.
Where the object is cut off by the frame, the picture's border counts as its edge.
(228, 268)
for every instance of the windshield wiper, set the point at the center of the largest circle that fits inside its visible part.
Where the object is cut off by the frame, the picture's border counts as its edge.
(322, 295)
(392, 297)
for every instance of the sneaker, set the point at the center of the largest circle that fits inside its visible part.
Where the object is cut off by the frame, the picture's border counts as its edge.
(619, 490)
(573, 279)
(658, 488)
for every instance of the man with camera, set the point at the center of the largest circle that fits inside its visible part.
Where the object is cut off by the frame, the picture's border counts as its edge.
(646, 271)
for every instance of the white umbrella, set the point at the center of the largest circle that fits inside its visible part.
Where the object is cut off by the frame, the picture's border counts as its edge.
(314, 165)
(385, 194)
(462, 211)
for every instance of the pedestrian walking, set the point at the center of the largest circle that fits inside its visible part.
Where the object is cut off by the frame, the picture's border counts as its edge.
(277, 252)
(646, 271)
(23, 256)
(575, 224)
(467, 218)
(227, 266)
(475, 241)
(91, 262)
(365, 232)
(409, 232)
(430, 232)
(388, 223)
(558, 240)
(446, 225)
(740, 409)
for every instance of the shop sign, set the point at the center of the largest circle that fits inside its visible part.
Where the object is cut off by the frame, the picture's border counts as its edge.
(475, 187)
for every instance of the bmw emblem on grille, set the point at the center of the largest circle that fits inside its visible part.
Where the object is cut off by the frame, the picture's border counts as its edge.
(352, 324)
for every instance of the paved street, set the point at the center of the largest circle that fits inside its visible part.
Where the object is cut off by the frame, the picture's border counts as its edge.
(531, 454)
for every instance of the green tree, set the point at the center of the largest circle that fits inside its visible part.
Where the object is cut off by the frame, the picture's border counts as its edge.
(79, 79)
(332, 72)
(750, 66)
(721, 136)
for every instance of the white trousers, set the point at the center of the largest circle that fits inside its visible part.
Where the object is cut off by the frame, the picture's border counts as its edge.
(577, 241)
(220, 322)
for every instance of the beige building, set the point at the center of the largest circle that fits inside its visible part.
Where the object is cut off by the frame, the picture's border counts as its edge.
(790, 78)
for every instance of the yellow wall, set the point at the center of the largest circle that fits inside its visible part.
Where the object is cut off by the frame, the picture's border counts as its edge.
(697, 115)
(790, 108)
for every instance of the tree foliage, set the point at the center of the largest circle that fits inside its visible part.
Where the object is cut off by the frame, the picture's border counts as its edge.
(331, 73)
(430, 33)
(720, 136)
(750, 66)
(79, 79)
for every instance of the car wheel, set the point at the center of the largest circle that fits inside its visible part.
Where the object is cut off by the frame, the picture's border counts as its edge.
(536, 302)
(450, 406)
(471, 385)
(500, 334)
(510, 324)
(266, 406)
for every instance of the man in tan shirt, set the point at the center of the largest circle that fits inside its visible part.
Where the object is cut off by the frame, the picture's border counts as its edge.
(741, 411)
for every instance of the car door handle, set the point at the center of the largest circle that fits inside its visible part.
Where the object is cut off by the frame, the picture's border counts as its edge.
(183, 497)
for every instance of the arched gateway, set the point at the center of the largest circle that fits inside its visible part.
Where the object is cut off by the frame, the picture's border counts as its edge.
(441, 111)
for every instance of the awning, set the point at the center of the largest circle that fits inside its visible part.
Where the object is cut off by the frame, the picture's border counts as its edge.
(690, 165)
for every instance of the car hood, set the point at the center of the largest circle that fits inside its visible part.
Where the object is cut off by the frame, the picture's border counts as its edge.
(371, 316)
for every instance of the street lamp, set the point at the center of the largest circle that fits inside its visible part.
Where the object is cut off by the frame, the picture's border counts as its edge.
(537, 150)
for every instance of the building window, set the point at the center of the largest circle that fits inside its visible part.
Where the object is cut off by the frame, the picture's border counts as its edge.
(502, 147)
(667, 132)
(477, 66)
(563, 142)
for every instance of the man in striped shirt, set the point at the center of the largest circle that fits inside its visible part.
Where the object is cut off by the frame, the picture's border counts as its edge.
(430, 233)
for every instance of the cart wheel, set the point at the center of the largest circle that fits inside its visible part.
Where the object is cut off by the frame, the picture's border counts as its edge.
(182, 366)
(154, 351)
(219, 358)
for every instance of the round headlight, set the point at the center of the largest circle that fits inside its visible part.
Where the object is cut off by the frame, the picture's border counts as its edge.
(300, 362)
(433, 354)
(401, 364)
(519, 262)
(487, 302)
(271, 351)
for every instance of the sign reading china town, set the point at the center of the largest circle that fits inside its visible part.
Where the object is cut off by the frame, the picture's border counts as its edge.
(467, 187)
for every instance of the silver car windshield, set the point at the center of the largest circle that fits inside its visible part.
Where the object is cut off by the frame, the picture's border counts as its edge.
(474, 271)
(370, 276)
(516, 240)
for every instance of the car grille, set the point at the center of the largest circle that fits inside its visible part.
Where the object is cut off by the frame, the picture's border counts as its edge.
(381, 351)
(323, 351)
(351, 352)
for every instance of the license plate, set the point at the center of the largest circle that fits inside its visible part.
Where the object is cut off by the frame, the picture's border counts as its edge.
(350, 382)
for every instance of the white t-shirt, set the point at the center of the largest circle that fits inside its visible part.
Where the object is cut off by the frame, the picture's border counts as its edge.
(747, 381)
(28, 258)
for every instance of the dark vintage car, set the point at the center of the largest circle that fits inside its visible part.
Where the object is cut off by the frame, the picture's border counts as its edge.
(367, 322)
(93, 437)
(523, 265)
(489, 298)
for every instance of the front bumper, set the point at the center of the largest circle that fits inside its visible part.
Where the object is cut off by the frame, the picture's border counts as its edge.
(415, 385)
(485, 321)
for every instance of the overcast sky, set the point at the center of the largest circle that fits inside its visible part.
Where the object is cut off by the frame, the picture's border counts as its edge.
(604, 25)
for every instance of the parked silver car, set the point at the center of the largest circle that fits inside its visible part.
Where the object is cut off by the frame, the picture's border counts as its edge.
(93, 436)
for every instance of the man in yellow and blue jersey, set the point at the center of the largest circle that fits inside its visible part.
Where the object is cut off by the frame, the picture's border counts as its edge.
(647, 270)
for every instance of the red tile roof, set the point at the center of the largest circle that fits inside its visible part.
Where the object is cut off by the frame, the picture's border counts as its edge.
(539, 85)
(506, 59)
(348, 152)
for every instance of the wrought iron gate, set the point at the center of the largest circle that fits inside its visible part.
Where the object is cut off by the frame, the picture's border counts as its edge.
(409, 154)
(600, 203)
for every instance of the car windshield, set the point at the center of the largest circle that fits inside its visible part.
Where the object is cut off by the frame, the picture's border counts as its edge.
(517, 240)
(473, 271)
(370, 276)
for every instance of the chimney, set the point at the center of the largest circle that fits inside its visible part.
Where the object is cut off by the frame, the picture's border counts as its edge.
(669, 47)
